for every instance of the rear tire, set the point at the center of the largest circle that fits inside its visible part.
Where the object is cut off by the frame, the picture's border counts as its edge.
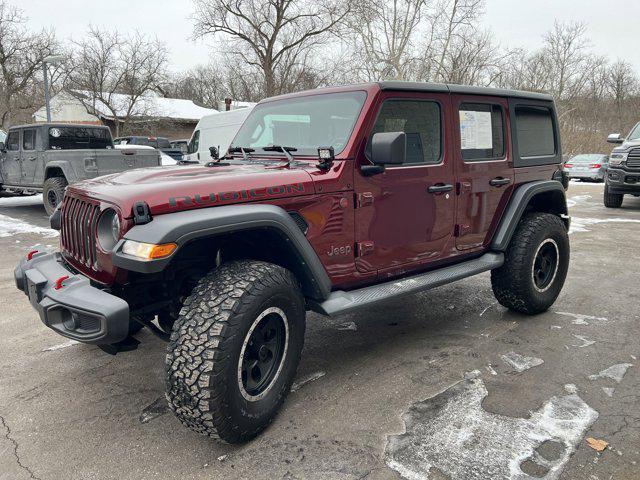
(53, 192)
(234, 350)
(535, 265)
(612, 200)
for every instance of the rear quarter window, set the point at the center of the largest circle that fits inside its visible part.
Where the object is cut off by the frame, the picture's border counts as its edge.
(534, 132)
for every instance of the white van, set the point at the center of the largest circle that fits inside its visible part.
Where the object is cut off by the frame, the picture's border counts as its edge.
(215, 130)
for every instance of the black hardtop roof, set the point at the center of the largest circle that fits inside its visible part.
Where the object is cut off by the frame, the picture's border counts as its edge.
(461, 89)
(394, 85)
(61, 125)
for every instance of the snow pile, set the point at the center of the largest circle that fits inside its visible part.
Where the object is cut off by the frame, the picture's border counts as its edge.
(30, 201)
(12, 226)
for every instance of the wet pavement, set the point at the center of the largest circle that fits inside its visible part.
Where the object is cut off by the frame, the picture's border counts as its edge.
(445, 384)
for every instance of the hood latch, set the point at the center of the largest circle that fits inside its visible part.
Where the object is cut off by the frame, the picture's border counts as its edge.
(141, 213)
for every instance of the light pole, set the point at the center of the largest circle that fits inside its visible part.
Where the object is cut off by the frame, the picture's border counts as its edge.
(51, 60)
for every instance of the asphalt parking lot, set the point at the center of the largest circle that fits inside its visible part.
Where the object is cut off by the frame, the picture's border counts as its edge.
(446, 384)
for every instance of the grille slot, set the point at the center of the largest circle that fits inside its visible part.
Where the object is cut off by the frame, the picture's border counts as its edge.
(78, 230)
(633, 159)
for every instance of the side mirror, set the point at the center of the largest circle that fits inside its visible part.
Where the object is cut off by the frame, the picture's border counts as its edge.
(214, 152)
(389, 148)
(615, 138)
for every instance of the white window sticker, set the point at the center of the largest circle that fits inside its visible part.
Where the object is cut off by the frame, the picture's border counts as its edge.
(475, 130)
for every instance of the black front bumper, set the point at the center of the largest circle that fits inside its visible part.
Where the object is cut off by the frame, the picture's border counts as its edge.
(623, 181)
(77, 309)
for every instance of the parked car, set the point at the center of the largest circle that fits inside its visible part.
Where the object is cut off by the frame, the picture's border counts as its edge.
(159, 143)
(165, 160)
(48, 157)
(623, 176)
(215, 130)
(587, 166)
(3, 135)
(331, 200)
(182, 145)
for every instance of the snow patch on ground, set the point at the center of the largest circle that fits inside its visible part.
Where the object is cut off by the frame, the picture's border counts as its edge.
(12, 226)
(519, 362)
(21, 201)
(586, 342)
(451, 432)
(348, 326)
(312, 377)
(579, 224)
(608, 391)
(573, 201)
(60, 346)
(580, 319)
(615, 372)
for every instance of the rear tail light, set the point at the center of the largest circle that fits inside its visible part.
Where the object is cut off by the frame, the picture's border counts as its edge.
(595, 165)
(568, 165)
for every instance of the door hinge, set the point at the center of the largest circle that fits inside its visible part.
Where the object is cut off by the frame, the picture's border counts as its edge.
(461, 230)
(365, 199)
(365, 248)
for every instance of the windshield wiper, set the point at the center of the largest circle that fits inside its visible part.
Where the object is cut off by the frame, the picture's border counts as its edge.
(280, 148)
(243, 150)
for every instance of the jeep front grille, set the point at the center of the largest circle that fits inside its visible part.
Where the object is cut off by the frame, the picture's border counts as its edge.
(633, 159)
(78, 230)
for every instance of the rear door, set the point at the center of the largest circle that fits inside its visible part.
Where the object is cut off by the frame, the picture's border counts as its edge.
(11, 169)
(29, 155)
(402, 221)
(484, 166)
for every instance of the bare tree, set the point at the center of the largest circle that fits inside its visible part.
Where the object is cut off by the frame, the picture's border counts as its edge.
(621, 82)
(205, 85)
(384, 34)
(21, 55)
(274, 38)
(118, 73)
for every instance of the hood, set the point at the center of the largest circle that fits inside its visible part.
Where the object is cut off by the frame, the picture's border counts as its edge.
(626, 145)
(171, 189)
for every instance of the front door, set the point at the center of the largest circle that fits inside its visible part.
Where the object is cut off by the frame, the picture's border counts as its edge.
(11, 170)
(405, 216)
(484, 167)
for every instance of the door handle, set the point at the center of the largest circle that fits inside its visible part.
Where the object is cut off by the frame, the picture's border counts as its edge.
(440, 188)
(32, 158)
(499, 182)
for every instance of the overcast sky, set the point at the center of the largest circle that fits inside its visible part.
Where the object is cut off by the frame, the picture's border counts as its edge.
(612, 25)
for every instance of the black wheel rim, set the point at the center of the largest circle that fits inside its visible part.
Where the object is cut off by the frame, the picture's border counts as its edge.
(52, 198)
(263, 353)
(545, 265)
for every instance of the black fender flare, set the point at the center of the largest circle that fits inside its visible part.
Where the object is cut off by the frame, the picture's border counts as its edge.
(185, 226)
(518, 203)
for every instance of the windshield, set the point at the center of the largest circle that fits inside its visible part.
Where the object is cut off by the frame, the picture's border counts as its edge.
(304, 123)
(635, 133)
(71, 138)
(588, 158)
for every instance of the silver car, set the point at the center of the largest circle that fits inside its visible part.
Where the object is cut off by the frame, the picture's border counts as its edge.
(587, 167)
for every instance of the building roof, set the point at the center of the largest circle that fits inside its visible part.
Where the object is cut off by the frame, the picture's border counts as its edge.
(150, 105)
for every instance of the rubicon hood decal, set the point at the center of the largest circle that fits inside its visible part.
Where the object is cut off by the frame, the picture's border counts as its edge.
(251, 194)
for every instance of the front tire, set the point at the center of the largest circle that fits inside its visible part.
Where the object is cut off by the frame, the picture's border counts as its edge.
(535, 265)
(234, 350)
(53, 192)
(612, 200)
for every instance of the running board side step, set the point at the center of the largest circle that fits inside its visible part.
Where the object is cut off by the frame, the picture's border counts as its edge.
(340, 301)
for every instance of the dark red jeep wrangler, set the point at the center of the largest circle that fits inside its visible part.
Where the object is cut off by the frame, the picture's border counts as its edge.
(329, 200)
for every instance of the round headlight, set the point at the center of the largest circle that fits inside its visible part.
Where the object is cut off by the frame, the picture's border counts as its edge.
(108, 229)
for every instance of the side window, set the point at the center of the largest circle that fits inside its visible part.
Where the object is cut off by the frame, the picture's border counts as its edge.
(29, 139)
(420, 120)
(13, 141)
(195, 142)
(481, 131)
(535, 132)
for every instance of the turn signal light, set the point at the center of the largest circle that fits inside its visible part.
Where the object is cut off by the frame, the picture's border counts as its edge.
(148, 251)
